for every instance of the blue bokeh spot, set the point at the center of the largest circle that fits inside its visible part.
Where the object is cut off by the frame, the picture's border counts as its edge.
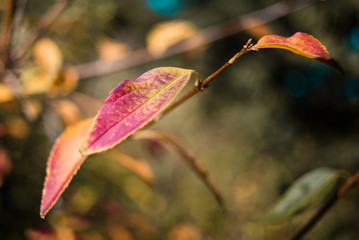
(351, 89)
(296, 83)
(354, 38)
(164, 7)
(318, 75)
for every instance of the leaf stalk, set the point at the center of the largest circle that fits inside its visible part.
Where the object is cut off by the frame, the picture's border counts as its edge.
(201, 85)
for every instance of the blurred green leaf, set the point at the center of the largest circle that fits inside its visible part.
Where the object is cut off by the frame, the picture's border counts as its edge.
(311, 188)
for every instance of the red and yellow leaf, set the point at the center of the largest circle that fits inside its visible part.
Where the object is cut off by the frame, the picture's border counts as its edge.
(299, 43)
(132, 104)
(63, 163)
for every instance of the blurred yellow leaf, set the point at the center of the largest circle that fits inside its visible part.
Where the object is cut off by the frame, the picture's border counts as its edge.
(36, 80)
(68, 111)
(65, 233)
(256, 27)
(166, 34)
(17, 127)
(41, 77)
(5, 93)
(75, 220)
(111, 49)
(32, 108)
(65, 83)
(139, 167)
(48, 55)
(185, 231)
(118, 232)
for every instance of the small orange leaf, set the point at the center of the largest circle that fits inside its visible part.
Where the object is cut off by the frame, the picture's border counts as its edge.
(299, 43)
(119, 232)
(6, 93)
(63, 163)
(111, 49)
(17, 127)
(40, 77)
(185, 230)
(166, 34)
(139, 167)
(65, 83)
(68, 111)
(256, 27)
(48, 55)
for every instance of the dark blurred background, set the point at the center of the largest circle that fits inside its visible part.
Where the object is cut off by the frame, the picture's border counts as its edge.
(264, 122)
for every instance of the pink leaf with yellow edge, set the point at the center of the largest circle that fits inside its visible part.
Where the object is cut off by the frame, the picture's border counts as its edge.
(299, 43)
(63, 163)
(132, 104)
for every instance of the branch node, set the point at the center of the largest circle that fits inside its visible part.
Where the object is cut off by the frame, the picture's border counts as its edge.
(248, 44)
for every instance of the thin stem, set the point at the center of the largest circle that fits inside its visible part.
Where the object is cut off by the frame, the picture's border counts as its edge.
(19, 17)
(46, 20)
(348, 184)
(195, 163)
(328, 205)
(201, 85)
(202, 38)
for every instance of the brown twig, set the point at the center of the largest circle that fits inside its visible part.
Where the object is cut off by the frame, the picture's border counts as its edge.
(6, 36)
(203, 84)
(9, 54)
(173, 143)
(202, 38)
(13, 11)
(328, 205)
(46, 20)
(19, 17)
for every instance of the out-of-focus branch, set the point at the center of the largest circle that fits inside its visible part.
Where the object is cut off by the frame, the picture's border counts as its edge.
(43, 24)
(202, 38)
(6, 35)
(175, 144)
(10, 56)
(203, 84)
(19, 17)
(328, 205)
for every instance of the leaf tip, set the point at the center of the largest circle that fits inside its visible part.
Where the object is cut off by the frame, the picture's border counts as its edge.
(302, 44)
(87, 149)
(45, 208)
(82, 151)
(332, 63)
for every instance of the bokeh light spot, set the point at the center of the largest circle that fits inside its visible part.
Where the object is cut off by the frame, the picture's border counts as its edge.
(318, 75)
(354, 38)
(351, 89)
(165, 7)
(296, 83)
